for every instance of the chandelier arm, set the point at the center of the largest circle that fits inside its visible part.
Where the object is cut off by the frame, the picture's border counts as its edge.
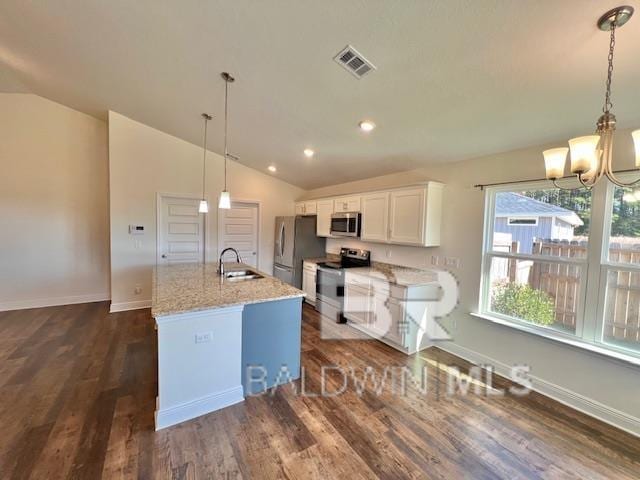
(587, 185)
(555, 184)
(613, 179)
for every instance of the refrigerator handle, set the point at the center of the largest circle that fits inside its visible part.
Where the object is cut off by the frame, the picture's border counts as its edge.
(282, 240)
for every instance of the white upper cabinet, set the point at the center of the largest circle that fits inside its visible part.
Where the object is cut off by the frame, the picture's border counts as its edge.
(310, 208)
(324, 209)
(347, 204)
(403, 216)
(415, 215)
(305, 208)
(375, 217)
(406, 214)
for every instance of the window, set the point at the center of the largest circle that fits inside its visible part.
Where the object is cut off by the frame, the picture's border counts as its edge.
(621, 271)
(523, 221)
(545, 269)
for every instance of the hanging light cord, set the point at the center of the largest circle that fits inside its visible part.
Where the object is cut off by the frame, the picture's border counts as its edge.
(204, 153)
(226, 96)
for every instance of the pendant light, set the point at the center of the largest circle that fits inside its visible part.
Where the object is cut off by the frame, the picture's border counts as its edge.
(204, 206)
(592, 155)
(225, 198)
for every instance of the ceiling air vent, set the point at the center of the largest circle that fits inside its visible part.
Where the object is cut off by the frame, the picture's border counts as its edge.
(353, 62)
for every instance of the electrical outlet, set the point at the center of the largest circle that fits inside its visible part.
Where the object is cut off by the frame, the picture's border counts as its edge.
(204, 337)
(388, 252)
(451, 262)
(138, 290)
(434, 260)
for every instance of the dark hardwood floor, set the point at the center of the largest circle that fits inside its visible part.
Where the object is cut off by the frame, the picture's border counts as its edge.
(77, 395)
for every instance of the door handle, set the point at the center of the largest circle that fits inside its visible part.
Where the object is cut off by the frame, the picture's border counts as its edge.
(164, 256)
(282, 238)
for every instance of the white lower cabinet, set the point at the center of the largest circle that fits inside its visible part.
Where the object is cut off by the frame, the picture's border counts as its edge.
(357, 304)
(309, 271)
(387, 311)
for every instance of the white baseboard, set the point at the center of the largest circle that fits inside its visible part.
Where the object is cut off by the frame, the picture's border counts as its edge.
(588, 406)
(52, 302)
(201, 406)
(124, 306)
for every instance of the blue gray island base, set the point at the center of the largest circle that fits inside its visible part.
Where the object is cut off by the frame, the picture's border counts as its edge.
(271, 341)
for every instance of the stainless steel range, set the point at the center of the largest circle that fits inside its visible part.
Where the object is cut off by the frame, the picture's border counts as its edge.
(330, 282)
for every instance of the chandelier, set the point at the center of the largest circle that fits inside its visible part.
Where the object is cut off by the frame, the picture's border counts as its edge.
(592, 155)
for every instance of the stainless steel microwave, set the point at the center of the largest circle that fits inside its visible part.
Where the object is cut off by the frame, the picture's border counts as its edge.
(345, 224)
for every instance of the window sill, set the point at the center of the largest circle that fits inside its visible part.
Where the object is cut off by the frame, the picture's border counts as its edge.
(564, 339)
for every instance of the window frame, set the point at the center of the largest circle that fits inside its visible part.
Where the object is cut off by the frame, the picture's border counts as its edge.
(589, 331)
(605, 266)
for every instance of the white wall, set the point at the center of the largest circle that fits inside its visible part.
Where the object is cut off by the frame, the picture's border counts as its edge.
(144, 161)
(580, 377)
(54, 238)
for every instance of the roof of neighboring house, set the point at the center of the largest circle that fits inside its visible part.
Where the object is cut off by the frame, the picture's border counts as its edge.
(514, 204)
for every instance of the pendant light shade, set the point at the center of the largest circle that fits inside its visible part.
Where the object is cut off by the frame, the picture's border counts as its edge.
(554, 160)
(583, 153)
(225, 200)
(204, 205)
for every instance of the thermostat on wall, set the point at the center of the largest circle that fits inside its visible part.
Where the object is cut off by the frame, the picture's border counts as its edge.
(136, 229)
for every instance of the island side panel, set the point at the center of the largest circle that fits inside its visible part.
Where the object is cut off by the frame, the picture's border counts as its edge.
(271, 340)
(199, 363)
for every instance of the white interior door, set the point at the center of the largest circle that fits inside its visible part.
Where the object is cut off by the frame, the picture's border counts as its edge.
(238, 228)
(180, 231)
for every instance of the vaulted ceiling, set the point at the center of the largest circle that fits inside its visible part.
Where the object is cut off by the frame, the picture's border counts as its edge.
(454, 80)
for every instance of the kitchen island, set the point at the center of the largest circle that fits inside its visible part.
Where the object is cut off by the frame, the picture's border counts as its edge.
(220, 339)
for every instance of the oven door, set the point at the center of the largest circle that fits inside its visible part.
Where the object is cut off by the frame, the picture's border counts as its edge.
(345, 224)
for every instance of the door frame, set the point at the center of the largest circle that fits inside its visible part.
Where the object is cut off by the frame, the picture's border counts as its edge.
(258, 204)
(205, 223)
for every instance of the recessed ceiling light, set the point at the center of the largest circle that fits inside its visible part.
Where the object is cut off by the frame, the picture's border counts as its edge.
(308, 152)
(271, 168)
(366, 125)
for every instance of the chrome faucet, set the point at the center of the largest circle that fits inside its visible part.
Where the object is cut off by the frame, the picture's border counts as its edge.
(220, 262)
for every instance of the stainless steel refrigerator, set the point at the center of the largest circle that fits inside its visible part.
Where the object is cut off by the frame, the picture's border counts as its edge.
(295, 240)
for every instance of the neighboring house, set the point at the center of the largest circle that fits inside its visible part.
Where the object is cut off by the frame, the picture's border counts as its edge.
(526, 219)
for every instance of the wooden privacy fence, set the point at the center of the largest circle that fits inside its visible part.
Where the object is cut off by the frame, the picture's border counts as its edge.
(622, 309)
(562, 283)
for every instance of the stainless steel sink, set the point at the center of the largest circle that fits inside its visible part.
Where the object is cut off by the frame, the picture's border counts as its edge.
(238, 275)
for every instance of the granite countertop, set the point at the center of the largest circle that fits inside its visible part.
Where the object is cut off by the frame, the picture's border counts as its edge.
(194, 287)
(396, 274)
(330, 257)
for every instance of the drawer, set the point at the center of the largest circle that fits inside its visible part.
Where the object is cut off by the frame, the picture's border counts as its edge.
(312, 267)
(358, 280)
(382, 288)
(356, 290)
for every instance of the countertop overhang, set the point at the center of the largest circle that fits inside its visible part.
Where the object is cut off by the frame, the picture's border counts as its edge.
(193, 287)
